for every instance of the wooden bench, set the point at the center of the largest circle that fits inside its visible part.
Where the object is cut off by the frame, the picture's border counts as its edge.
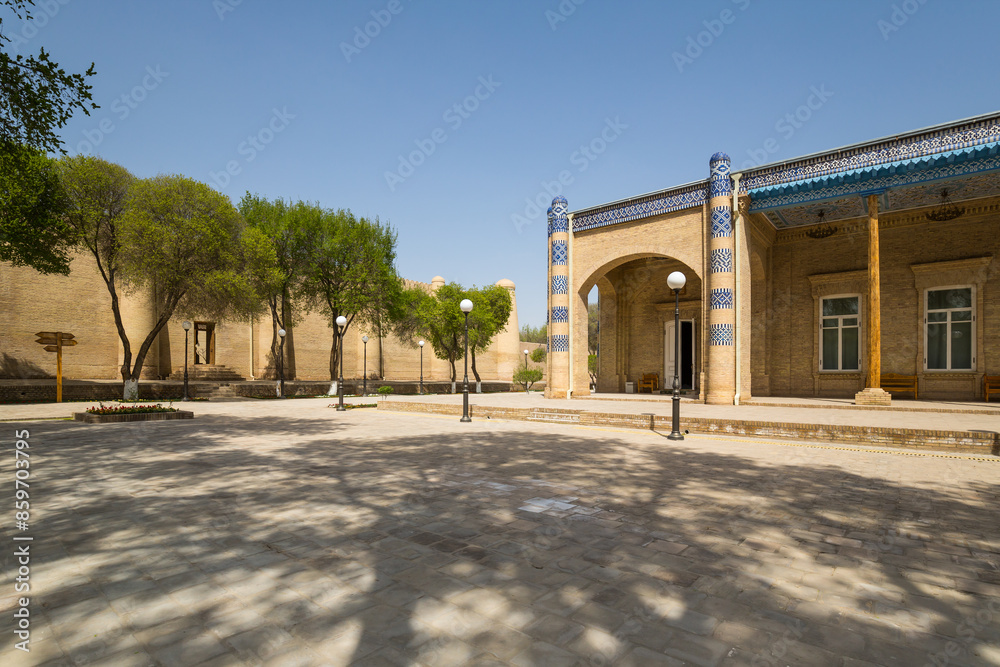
(893, 382)
(650, 381)
(991, 385)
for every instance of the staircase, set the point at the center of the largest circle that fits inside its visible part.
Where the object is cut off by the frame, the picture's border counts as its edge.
(207, 373)
(221, 392)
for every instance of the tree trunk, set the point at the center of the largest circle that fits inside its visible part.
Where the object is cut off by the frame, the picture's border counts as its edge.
(474, 371)
(271, 365)
(286, 317)
(453, 372)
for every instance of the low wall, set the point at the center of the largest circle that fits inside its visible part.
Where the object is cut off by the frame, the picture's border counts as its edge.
(972, 442)
(44, 391)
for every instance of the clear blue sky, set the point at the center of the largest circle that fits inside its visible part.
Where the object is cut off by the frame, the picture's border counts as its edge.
(184, 85)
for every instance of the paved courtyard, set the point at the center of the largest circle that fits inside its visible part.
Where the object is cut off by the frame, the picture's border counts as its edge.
(286, 533)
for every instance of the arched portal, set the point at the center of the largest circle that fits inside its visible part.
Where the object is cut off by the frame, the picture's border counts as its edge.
(637, 322)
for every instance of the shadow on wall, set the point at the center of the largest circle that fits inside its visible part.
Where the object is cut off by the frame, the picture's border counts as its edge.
(12, 368)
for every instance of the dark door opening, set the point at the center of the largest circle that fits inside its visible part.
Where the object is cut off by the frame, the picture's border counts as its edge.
(687, 355)
(204, 343)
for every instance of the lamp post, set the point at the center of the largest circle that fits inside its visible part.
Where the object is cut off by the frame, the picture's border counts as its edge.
(364, 381)
(341, 323)
(421, 344)
(675, 281)
(281, 364)
(187, 330)
(525, 371)
(466, 307)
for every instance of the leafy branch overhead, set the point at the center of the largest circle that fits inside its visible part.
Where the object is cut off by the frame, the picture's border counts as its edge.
(37, 96)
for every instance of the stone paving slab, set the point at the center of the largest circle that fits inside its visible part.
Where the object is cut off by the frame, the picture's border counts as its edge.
(270, 533)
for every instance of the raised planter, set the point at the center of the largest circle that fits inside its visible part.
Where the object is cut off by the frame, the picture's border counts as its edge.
(90, 418)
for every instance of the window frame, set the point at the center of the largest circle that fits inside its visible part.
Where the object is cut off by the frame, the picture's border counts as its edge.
(840, 338)
(973, 334)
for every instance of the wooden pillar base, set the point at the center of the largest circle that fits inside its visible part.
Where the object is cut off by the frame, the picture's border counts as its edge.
(873, 396)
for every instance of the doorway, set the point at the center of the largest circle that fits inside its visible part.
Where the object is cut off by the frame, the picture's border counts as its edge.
(687, 361)
(204, 343)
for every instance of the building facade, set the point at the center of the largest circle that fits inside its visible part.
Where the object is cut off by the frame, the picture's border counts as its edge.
(80, 304)
(814, 277)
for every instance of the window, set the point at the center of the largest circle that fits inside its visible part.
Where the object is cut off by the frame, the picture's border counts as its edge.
(839, 334)
(949, 332)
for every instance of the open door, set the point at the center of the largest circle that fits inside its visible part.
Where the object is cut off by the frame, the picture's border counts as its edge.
(204, 343)
(687, 360)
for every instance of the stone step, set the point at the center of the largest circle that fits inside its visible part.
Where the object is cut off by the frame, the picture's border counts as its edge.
(202, 372)
(554, 417)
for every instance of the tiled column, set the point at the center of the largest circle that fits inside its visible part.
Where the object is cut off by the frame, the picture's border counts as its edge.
(558, 329)
(720, 286)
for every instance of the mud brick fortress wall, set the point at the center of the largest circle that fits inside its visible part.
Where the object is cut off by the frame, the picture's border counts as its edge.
(79, 304)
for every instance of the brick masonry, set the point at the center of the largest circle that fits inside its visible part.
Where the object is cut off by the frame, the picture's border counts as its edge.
(789, 273)
(972, 442)
(80, 304)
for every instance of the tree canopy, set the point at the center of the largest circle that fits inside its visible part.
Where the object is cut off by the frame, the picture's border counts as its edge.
(438, 317)
(37, 96)
(351, 272)
(291, 230)
(32, 202)
(176, 239)
(491, 310)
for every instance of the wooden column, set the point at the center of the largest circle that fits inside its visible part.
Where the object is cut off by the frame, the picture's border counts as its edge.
(873, 394)
(874, 298)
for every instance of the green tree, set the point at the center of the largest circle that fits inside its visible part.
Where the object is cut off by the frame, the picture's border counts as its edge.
(37, 97)
(527, 376)
(176, 239)
(438, 318)
(351, 271)
(538, 355)
(291, 230)
(490, 312)
(592, 368)
(32, 203)
(530, 334)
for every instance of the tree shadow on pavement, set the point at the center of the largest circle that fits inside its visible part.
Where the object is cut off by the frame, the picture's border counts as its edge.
(319, 541)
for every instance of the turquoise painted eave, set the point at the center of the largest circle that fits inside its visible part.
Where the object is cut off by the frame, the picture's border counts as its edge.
(914, 170)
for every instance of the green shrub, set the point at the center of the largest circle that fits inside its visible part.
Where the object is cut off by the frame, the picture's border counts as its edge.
(385, 390)
(538, 355)
(527, 376)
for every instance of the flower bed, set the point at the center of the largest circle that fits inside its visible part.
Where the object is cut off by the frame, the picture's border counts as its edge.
(130, 413)
(128, 409)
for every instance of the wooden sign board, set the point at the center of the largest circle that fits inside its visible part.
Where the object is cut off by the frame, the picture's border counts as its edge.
(54, 341)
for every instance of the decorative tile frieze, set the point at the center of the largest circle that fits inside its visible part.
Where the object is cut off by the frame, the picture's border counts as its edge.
(560, 314)
(675, 199)
(722, 260)
(560, 285)
(891, 180)
(560, 253)
(977, 133)
(722, 223)
(720, 334)
(721, 298)
(560, 343)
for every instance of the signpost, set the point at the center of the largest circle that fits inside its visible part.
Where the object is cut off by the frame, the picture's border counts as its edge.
(54, 341)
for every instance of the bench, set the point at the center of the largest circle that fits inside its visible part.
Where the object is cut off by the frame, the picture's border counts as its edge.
(650, 381)
(893, 382)
(991, 384)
